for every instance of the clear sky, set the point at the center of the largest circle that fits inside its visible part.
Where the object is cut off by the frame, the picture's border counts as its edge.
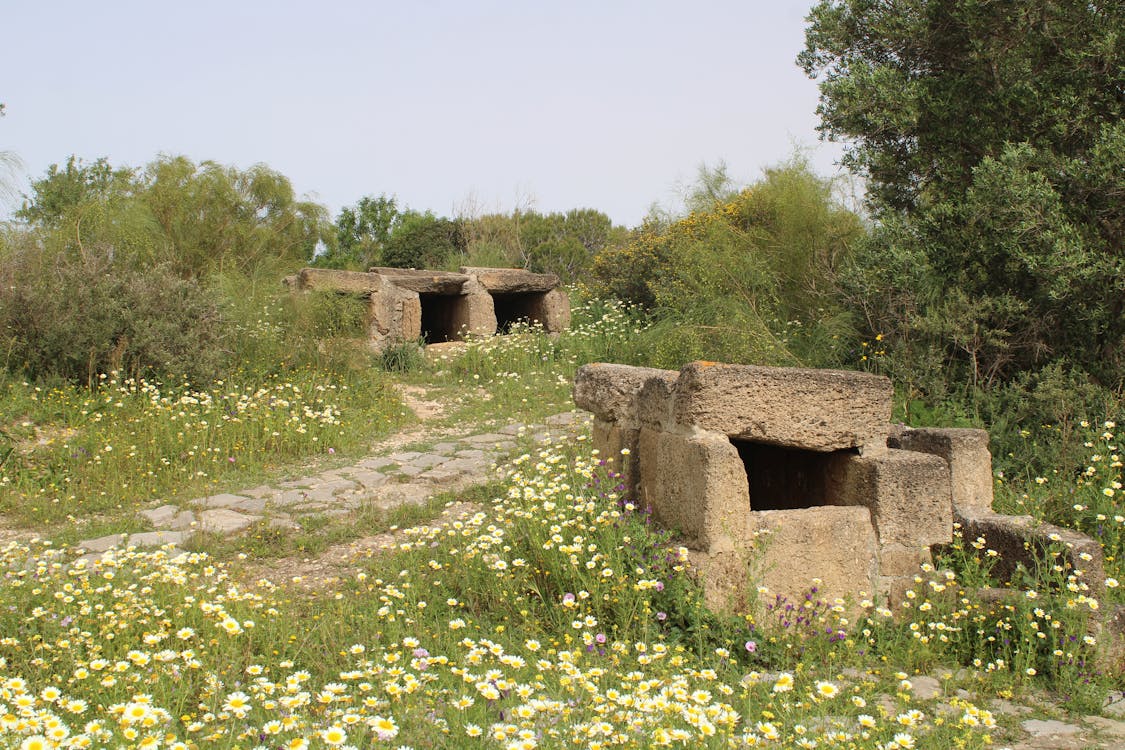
(450, 106)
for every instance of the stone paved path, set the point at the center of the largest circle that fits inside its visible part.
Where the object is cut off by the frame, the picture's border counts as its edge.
(386, 479)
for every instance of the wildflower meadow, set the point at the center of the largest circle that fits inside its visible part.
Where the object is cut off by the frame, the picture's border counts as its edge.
(553, 615)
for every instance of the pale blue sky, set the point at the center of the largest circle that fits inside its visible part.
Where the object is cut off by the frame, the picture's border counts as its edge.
(446, 105)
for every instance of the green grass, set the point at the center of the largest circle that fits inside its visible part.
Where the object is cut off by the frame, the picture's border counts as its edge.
(71, 452)
(556, 617)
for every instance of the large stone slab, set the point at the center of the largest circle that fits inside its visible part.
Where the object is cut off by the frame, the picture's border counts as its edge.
(474, 312)
(610, 391)
(1021, 540)
(423, 281)
(225, 521)
(907, 492)
(970, 462)
(696, 486)
(837, 546)
(820, 410)
(510, 280)
(395, 314)
(331, 280)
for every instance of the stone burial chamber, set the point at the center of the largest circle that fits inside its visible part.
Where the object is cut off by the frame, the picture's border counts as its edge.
(778, 476)
(439, 306)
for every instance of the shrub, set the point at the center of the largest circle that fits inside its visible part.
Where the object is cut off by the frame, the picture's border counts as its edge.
(78, 316)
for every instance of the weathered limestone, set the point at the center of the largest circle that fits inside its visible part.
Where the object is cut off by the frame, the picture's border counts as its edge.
(395, 314)
(609, 391)
(341, 282)
(818, 410)
(407, 304)
(428, 282)
(966, 452)
(1021, 540)
(512, 280)
(776, 476)
(694, 484)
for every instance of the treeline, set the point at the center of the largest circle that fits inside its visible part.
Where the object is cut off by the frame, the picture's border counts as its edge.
(986, 274)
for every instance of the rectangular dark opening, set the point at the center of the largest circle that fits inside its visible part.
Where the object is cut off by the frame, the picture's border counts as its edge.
(441, 319)
(516, 306)
(785, 478)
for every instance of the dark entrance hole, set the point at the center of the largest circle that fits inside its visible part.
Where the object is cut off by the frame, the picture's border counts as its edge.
(785, 478)
(442, 317)
(516, 306)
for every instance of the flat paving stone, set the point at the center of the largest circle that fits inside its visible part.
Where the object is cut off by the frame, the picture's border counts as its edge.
(404, 457)
(410, 470)
(300, 484)
(101, 543)
(290, 497)
(158, 538)
(471, 453)
(441, 475)
(225, 521)
(467, 465)
(443, 448)
(161, 516)
(1049, 728)
(310, 508)
(375, 462)
(513, 429)
(185, 519)
(400, 494)
(260, 491)
(336, 485)
(370, 479)
(249, 505)
(488, 438)
(225, 500)
(1110, 727)
(426, 460)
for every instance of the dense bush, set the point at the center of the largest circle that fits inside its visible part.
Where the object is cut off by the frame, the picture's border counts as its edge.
(423, 241)
(749, 279)
(78, 316)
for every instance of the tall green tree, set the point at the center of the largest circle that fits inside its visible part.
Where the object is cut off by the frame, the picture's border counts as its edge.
(197, 218)
(992, 138)
(362, 231)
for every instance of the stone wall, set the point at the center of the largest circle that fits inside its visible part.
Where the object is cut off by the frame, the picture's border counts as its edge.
(779, 476)
(406, 304)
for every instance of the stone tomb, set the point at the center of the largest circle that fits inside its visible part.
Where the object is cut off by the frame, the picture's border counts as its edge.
(407, 304)
(777, 475)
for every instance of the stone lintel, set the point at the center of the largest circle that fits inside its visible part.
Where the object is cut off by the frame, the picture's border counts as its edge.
(423, 281)
(817, 410)
(512, 280)
(333, 280)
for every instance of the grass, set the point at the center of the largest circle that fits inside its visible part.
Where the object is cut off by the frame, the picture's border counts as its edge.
(556, 616)
(495, 631)
(72, 452)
